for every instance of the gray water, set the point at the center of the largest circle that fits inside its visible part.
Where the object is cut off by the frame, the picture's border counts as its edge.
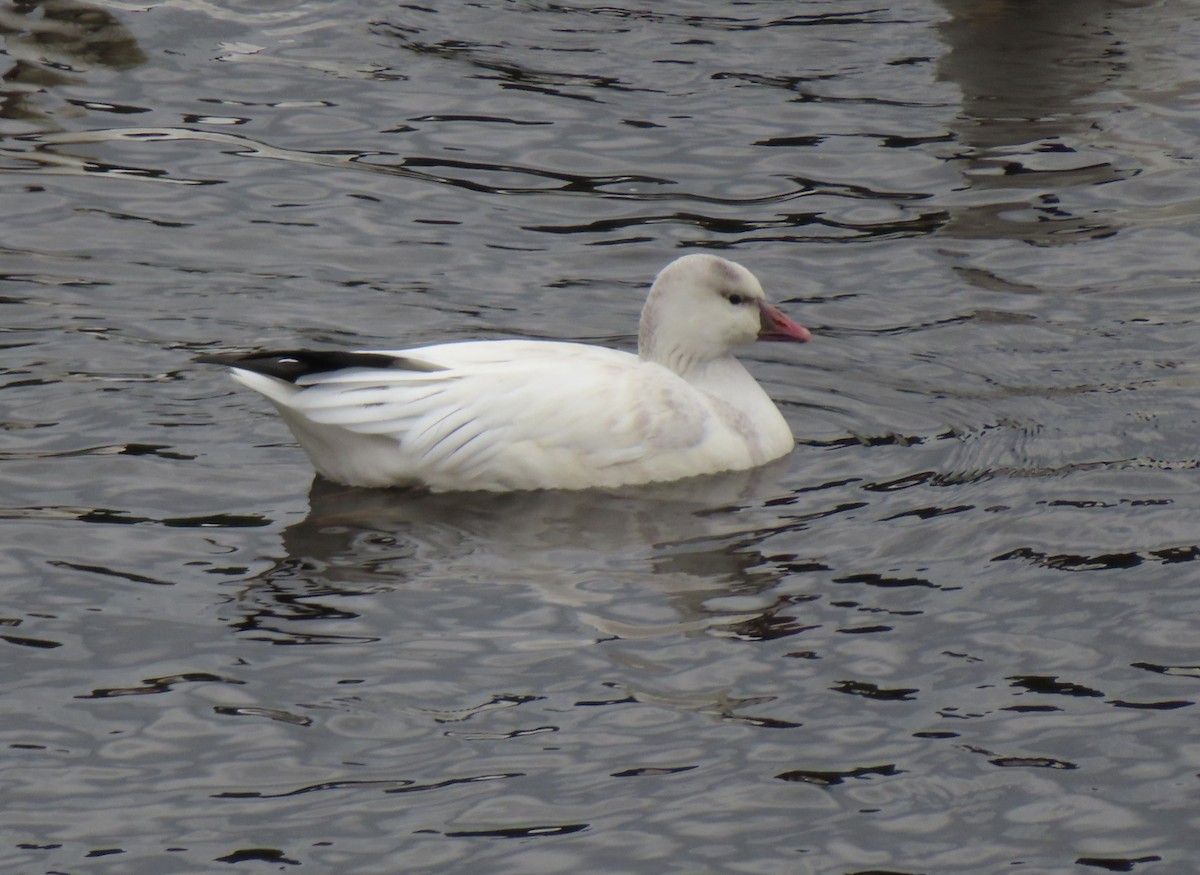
(956, 631)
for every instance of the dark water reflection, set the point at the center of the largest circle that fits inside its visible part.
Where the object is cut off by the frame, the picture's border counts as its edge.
(1033, 77)
(53, 44)
(954, 632)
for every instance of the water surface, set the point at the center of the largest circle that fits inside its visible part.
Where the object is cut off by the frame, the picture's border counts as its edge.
(956, 631)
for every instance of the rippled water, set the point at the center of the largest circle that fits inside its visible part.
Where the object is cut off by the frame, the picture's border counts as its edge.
(956, 631)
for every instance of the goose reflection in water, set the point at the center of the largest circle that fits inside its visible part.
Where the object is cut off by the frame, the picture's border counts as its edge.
(634, 563)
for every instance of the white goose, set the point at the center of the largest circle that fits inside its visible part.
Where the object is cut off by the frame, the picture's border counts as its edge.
(507, 415)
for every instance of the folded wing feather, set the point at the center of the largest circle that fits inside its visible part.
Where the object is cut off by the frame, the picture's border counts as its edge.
(567, 412)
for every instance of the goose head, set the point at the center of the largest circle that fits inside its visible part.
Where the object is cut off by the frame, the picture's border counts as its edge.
(702, 307)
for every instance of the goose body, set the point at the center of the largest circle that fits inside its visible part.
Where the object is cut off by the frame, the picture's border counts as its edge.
(507, 415)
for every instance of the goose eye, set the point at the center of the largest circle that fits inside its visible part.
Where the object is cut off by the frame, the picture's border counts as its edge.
(735, 299)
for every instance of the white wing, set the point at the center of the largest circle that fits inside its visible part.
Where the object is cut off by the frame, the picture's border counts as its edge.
(506, 415)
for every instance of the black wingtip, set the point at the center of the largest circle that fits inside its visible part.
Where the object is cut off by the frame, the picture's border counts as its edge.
(290, 365)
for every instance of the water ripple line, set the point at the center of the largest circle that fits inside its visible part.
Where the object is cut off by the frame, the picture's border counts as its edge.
(397, 785)
(43, 153)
